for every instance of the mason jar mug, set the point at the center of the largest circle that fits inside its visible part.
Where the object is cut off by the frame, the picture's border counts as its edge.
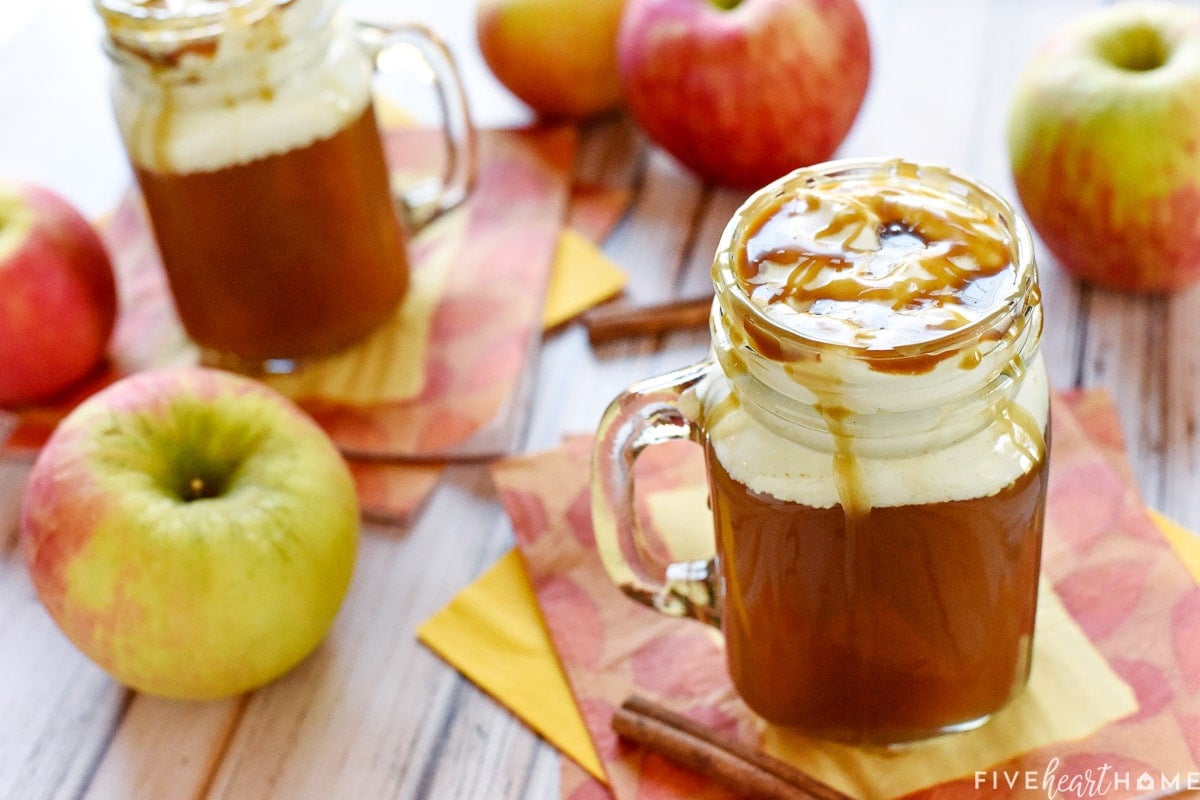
(252, 134)
(875, 419)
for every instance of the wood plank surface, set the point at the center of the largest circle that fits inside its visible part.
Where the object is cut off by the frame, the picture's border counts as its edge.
(373, 714)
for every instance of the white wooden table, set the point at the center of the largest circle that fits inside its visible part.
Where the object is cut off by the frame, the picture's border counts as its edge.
(373, 714)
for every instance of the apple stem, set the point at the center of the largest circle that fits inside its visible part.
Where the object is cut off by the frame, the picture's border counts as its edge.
(726, 5)
(198, 488)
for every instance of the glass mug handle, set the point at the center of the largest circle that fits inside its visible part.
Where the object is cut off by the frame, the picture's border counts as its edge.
(646, 414)
(429, 199)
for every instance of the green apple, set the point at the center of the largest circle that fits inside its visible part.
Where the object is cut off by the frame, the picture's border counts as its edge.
(557, 56)
(1104, 140)
(191, 531)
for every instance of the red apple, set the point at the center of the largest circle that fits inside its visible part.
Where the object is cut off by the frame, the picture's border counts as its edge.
(58, 296)
(1104, 140)
(744, 91)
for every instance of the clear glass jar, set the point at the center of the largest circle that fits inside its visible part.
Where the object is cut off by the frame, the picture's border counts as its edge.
(875, 425)
(251, 130)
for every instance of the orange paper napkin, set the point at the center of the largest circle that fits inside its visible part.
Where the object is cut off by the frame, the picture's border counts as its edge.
(1120, 638)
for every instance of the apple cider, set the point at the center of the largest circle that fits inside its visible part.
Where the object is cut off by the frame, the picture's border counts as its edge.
(251, 131)
(880, 553)
(309, 257)
(901, 621)
(875, 423)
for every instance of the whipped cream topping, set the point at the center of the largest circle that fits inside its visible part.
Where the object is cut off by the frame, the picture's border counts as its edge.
(886, 349)
(258, 90)
(978, 466)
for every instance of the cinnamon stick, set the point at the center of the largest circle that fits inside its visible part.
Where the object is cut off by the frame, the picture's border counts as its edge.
(622, 321)
(726, 760)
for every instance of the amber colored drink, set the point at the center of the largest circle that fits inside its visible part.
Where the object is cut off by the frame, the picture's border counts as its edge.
(286, 256)
(898, 624)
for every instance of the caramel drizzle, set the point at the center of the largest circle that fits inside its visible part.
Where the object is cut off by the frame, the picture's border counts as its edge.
(155, 124)
(912, 252)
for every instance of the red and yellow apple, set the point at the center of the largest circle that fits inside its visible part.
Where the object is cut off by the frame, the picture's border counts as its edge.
(58, 296)
(191, 531)
(557, 56)
(1104, 141)
(744, 91)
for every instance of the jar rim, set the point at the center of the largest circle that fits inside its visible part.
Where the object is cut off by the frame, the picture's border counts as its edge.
(736, 302)
(158, 28)
(172, 40)
(184, 13)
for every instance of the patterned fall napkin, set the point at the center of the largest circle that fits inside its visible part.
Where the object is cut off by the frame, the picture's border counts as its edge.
(581, 277)
(1116, 685)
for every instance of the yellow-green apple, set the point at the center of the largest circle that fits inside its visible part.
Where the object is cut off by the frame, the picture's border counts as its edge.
(192, 531)
(1104, 141)
(743, 91)
(58, 296)
(557, 56)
